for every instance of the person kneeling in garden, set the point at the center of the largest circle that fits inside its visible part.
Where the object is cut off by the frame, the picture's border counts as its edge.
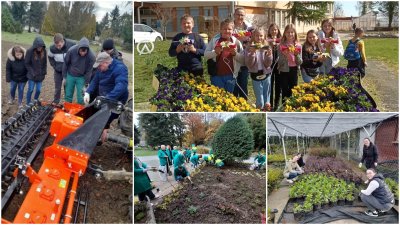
(194, 160)
(292, 169)
(377, 197)
(180, 173)
(219, 163)
(259, 161)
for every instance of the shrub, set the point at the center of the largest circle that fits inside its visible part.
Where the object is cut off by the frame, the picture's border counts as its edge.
(202, 150)
(393, 186)
(322, 152)
(333, 167)
(280, 158)
(274, 178)
(233, 140)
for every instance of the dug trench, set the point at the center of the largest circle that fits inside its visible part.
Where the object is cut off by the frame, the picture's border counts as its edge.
(228, 195)
(109, 201)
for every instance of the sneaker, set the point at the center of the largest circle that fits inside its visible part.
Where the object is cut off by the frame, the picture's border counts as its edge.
(289, 181)
(10, 102)
(381, 212)
(371, 213)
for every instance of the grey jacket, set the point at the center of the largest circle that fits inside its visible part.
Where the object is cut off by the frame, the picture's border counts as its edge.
(77, 65)
(250, 60)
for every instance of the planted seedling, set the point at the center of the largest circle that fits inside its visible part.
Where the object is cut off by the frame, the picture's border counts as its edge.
(202, 195)
(192, 210)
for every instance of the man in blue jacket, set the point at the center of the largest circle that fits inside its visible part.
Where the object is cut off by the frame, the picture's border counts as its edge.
(111, 79)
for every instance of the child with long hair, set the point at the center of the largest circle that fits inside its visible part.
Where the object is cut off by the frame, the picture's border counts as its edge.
(36, 64)
(274, 36)
(330, 43)
(16, 73)
(312, 57)
(258, 58)
(289, 53)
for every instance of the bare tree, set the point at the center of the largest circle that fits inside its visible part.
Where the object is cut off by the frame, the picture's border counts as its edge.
(165, 15)
(338, 10)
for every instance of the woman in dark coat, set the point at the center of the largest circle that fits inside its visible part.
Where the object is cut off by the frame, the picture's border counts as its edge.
(370, 154)
(16, 73)
(36, 63)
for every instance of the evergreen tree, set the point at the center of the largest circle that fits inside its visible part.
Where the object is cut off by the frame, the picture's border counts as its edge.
(307, 12)
(18, 11)
(258, 124)
(126, 28)
(136, 139)
(233, 140)
(36, 14)
(115, 21)
(389, 9)
(8, 23)
(159, 128)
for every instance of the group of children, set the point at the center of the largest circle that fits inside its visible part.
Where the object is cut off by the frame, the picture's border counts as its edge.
(272, 59)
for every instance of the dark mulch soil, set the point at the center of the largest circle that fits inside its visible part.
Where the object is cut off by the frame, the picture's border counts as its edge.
(229, 195)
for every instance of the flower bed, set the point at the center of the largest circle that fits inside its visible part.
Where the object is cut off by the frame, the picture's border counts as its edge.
(332, 167)
(339, 91)
(178, 92)
(276, 158)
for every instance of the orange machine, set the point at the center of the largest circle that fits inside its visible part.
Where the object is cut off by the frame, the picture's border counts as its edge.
(76, 130)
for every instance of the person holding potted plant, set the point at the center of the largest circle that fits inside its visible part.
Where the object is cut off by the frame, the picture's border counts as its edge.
(377, 197)
(292, 169)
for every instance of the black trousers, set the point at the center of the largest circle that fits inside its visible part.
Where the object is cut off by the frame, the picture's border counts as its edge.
(275, 89)
(359, 64)
(287, 81)
(142, 196)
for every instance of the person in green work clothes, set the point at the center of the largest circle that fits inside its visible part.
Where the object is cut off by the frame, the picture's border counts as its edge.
(194, 149)
(259, 161)
(142, 181)
(219, 163)
(188, 154)
(180, 173)
(164, 166)
(194, 160)
(179, 160)
(174, 152)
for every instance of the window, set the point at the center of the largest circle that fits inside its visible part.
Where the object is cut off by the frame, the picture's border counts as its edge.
(208, 11)
(179, 13)
(223, 13)
(194, 12)
(138, 28)
(147, 29)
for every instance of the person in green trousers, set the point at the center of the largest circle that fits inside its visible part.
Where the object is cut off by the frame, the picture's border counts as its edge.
(142, 181)
(77, 70)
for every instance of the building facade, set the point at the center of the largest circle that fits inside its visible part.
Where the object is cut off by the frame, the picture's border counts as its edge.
(209, 14)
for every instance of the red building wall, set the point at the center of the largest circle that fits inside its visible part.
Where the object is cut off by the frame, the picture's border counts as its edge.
(387, 141)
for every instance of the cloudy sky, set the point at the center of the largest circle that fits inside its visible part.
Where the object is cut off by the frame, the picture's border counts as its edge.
(225, 116)
(349, 8)
(107, 6)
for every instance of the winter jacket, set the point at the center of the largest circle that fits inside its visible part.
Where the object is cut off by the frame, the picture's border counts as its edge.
(282, 64)
(250, 60)
(15, 68)
(142, 181)
(188, 61)
(77, 65)
(238, 58)
(36, 66)
(309, 65)
(57, 56)
(335, 52)
(113, 83)
(179, 159)
(382, 193)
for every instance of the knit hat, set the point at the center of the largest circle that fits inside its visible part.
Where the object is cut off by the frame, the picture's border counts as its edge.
(108, 44)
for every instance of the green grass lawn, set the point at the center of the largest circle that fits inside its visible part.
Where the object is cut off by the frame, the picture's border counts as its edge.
(382, 49)
(140, 151)
(144, 69)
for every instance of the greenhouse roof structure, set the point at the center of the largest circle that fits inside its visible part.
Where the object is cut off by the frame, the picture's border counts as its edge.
(320, 124)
